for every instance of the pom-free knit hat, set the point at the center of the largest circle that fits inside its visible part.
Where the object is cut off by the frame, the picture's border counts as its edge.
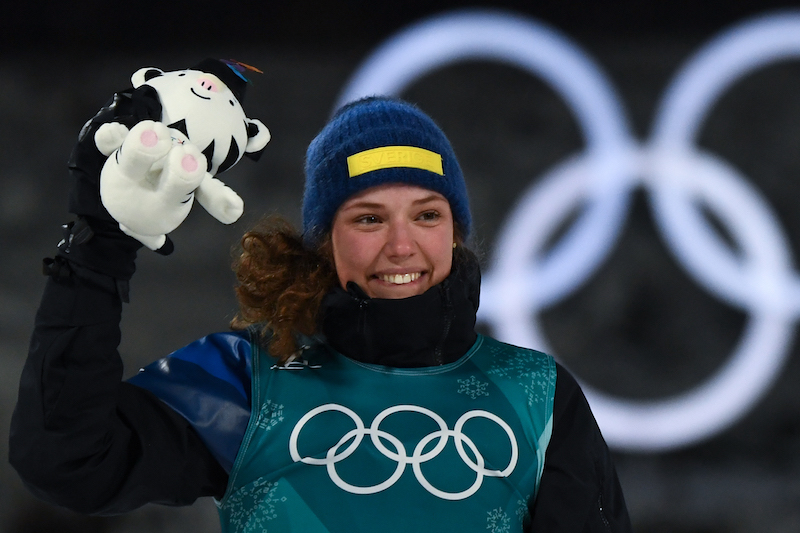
(375, 141)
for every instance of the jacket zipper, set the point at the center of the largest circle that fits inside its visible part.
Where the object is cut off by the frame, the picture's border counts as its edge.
(438, 354)
(362, 327)
(602, 512)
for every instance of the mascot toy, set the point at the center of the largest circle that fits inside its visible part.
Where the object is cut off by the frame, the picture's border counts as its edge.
(164, 141)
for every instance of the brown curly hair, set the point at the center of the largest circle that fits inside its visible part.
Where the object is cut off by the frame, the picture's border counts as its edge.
(281, 283)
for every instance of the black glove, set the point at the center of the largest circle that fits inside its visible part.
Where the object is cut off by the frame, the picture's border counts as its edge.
(94, 241)
(126, 107)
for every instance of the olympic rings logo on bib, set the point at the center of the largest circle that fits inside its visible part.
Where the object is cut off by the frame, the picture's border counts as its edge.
(342, 450)
(680, 178)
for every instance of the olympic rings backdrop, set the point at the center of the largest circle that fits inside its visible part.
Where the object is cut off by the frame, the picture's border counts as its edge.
(679, 178)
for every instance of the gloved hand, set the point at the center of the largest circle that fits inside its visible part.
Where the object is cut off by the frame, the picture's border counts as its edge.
(95, 241)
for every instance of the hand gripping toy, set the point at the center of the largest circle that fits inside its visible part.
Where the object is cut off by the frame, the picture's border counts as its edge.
(156, 169)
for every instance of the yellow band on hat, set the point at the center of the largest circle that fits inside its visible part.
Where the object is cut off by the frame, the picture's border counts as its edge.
(393, 157)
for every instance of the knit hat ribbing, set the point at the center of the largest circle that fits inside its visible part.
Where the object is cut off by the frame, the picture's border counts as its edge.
(364, 125)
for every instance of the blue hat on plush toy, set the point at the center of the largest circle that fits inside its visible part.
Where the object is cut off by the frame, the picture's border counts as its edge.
(375, 141)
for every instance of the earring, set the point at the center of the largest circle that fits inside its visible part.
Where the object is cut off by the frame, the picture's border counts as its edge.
(454, 245)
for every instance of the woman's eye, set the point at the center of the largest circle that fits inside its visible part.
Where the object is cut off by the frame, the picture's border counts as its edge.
(368, 219)
(429, 216)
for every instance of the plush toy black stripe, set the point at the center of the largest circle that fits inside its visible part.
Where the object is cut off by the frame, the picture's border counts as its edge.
(231, 158)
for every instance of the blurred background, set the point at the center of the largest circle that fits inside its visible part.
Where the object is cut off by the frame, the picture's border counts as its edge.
(689, 357)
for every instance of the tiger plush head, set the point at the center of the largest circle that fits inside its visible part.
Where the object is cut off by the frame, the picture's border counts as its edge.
(203, 104)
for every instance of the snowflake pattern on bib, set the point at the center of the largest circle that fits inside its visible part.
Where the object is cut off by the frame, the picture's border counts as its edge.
(498, 521)
(253, 506)
(530, 369)
(522, 510)
(472, 387)
(270, 415)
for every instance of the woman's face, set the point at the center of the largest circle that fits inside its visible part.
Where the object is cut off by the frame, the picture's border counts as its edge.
(393, 240)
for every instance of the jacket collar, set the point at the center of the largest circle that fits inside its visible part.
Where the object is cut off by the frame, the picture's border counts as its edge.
(430, 329)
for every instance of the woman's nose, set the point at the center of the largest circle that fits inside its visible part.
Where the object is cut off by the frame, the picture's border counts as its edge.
(400, 241)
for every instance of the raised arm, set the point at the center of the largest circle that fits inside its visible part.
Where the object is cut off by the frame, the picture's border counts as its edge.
(81, 438)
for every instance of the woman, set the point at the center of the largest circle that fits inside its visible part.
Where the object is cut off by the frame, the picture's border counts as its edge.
(354, 393)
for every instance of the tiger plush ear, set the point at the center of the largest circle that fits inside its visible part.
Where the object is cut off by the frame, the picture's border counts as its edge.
(144, 74)
(257, 138)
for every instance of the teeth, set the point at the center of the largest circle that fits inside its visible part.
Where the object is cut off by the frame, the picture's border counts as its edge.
(400, 279)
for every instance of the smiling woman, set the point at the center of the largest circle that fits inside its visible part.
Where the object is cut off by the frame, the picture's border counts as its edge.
(361, 325)
(393, 240)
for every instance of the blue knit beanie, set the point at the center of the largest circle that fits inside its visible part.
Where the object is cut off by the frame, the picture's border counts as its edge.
(375, 141)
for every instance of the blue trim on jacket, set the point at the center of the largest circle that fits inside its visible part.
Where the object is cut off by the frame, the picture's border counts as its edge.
(208, 383)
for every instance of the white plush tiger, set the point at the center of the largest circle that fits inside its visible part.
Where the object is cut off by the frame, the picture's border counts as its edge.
(156, 169)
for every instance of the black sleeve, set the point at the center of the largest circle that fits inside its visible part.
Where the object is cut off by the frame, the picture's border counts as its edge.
(580, 491)
(81, 438)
